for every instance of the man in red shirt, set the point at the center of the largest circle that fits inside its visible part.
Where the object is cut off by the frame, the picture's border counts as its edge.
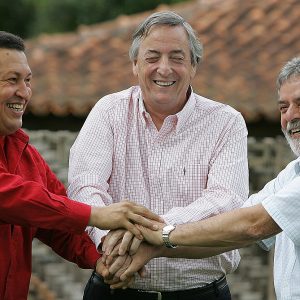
(33, 202)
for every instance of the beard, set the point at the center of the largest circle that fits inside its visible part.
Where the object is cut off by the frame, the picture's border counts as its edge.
(294, 143)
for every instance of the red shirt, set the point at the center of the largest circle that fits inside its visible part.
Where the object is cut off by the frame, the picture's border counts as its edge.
(33, 202)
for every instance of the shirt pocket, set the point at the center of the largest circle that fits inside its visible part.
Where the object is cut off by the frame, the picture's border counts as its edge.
(185, 183)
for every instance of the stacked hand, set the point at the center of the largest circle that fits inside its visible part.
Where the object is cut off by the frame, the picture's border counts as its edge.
(124, 255)
(123, 215)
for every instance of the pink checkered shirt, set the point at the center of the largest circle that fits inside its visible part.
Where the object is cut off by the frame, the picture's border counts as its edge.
(194, 167)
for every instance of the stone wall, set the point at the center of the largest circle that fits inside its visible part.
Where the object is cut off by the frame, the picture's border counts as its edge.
(55, 279)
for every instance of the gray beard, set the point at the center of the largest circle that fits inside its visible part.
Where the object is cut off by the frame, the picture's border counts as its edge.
(293, 143)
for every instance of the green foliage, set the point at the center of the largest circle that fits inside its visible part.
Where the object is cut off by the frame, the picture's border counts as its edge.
(16, 16)
(32, 17)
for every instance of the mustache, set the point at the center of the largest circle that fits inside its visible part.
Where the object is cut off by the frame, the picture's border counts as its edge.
(294, 124)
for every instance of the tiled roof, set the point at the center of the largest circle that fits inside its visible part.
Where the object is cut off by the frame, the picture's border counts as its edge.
(245, 45)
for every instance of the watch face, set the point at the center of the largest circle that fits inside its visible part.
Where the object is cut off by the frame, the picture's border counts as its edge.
(165, 236)
(168, 228)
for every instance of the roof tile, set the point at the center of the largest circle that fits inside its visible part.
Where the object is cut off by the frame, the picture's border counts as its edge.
(245, 45)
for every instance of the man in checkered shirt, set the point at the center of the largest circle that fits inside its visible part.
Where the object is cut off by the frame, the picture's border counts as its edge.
(163, 146)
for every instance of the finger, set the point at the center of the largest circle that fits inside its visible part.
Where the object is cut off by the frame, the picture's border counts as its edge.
(113, 280)
(117, 264)
(143, 211)
(143, 272)
(102, 269)
(133, 229)
(138, 219)
(112, 239)
(127, 273)
(125, 244)
(123, 284)
(134, 246)
(103, 258)
(124, 267)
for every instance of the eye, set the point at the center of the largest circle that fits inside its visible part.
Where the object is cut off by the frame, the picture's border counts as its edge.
(12, 79)
(152, 59)
(283, 108)
(28, 81)
(177, 58)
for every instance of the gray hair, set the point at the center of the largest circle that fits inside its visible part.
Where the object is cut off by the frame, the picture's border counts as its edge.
(171, 19)
(290, 70)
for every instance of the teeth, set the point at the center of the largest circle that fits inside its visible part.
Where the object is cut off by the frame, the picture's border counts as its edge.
(15, 106)
(293, 131)
(163, 83)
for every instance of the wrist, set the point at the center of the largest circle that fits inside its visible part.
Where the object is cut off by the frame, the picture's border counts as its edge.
(166, 232)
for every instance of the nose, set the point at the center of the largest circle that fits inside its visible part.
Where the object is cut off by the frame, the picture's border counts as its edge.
(292, 114)
(23, 90)
(164, 67)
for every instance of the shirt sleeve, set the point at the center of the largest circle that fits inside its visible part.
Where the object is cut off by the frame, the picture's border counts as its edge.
(271, 198)
(90, 166)
(29, 203)
(227, 184)
(284, 208)
(77, 248)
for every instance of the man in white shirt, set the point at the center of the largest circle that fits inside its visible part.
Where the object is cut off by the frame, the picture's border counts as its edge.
(162, 145)
(275, 210)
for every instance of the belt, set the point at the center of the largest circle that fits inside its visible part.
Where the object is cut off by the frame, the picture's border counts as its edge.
(213, 288)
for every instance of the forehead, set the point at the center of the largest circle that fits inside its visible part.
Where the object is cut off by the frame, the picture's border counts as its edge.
(13, 61)
(290, 89)
(166, 36)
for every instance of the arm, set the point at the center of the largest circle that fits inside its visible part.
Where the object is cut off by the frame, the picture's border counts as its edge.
(227, 178)
(237, 228)
(76, 248)
(228, 231)
(234, 229)
(43, 208)
(38, 205)
(147, 252)
(90, 164)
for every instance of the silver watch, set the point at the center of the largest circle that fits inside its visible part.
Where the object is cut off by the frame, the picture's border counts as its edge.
(165, 236)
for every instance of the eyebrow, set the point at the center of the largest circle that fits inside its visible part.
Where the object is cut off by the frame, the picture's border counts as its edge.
(151, 51)
(17, 73)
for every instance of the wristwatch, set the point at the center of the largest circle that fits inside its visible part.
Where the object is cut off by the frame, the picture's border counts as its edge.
(165, 236)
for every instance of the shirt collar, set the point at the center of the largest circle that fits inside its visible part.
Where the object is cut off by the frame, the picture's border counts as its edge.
(297, 165)
(181, 117)
(187, 110)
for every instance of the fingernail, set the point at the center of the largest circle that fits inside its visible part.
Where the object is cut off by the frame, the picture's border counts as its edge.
(155, 227)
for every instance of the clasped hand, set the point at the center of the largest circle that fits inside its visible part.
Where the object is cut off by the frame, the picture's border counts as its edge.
(124, 255)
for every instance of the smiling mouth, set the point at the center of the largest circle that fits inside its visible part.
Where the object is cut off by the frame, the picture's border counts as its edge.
(164, 83)
(16, 106)
(294, 131)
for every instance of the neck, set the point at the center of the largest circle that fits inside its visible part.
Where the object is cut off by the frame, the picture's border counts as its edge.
(157, 118)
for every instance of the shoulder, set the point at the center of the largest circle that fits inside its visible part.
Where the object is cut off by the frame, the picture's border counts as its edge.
(212, 106)
(216, 111)
(117, 100)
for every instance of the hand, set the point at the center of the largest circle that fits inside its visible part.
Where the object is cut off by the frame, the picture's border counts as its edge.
(123, 215)
(128, 242)
(153, 237)
(116, 265)
(144, 254)
(111, 273)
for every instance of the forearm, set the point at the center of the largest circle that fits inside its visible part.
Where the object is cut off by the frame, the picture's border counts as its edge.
(234, 229)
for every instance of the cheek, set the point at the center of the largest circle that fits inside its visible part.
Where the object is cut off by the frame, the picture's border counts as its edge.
(283, 122)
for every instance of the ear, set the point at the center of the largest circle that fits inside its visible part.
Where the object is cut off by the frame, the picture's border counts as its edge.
(193, 71)
(135, 68)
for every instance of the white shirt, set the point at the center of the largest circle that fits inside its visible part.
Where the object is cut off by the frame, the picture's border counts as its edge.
(194, 167)
(281, 198)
